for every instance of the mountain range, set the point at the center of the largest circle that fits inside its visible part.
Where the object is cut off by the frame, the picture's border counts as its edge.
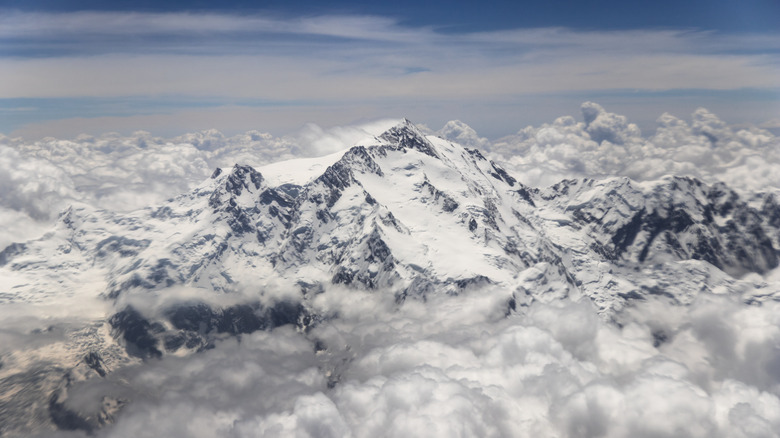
(401, 214)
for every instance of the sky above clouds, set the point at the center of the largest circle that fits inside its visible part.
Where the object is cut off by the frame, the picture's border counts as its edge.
(93, 67)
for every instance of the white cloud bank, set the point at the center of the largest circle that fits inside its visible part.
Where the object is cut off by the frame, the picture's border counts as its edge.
(456, 366)
(607, 144)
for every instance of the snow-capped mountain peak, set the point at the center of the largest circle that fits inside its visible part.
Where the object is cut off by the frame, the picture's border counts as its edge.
(407, 135)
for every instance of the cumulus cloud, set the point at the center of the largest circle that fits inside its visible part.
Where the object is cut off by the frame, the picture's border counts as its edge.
(463, 134)
(32, 185)
(607, 144)
(457, 366)
(33, 191)
(119, 173)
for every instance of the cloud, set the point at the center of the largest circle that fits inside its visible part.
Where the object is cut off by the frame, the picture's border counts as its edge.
(33, 186)
(331, 60)
(771, 124)
(463, 134)
(604, 126)
(19, 226)
(318, 141)
(86, 24)
(289, 77)
(456, 366)
(122, 173)
(157, 69)
(607, 144)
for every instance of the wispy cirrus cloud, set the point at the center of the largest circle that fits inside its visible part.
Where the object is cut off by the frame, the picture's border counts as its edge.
(85, 26)
(79, 27)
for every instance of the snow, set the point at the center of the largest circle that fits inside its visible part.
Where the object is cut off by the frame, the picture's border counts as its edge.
(299, 171)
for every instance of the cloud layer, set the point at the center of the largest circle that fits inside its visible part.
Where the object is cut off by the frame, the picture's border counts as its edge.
(456, 366)
(607, 144)
(393, 62)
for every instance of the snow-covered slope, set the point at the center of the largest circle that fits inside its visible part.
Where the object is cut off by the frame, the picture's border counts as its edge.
(402, 214)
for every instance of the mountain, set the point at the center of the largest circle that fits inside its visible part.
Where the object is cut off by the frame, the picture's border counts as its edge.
(402, 213)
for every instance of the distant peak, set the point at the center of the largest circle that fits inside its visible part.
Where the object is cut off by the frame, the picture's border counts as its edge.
(405, 134)
(240, 178)
(243, 177)
(404, 125)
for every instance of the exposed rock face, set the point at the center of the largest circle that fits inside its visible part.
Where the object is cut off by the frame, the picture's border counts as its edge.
(679, 217)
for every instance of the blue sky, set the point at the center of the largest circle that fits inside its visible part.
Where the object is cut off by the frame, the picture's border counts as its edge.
(746, 15)
(171, 67)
